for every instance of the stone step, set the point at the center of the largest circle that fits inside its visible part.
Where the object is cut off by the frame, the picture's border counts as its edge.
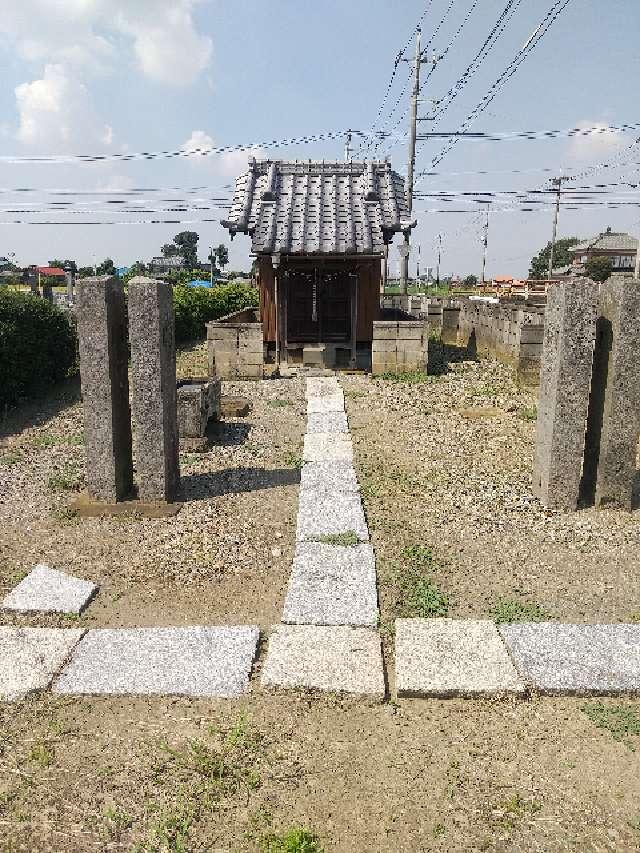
(332, 585)
(329, 658)
(191, 661)
(452, 657)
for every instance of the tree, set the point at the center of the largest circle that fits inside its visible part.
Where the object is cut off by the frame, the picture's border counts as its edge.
(471, 280)
(561, 258)
(187, 243)
(598, 268)
(56, 262)
(222, 254)
(85, 272)
(136, 268)
(107, 267)
(170, 250)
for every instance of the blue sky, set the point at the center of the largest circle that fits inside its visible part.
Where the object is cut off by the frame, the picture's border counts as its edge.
(110, 76)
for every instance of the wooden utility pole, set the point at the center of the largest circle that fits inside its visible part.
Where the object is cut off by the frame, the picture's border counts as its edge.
(438, 266)
(558, 185)
(413, 118)
(485, 243)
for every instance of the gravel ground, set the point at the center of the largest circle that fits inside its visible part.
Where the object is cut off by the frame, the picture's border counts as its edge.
(225, 558)
(446, 465)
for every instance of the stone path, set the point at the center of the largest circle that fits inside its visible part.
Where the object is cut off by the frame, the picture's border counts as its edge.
(49, 590)
(331, 600)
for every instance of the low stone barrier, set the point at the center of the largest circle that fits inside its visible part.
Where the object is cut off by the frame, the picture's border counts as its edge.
(399, 346)
(198, 403)
(235, 346)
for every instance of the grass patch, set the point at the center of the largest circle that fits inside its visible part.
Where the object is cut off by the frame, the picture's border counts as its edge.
(526, 414)
(348, 540)
(278, 403)
(511, 610)
(44, 440)
(418, 593)
(11, 458)
(42, 754)
(410, 377)
(508, 813)
(65, 479)
(621, 721)
(293, 460)
(294, 840)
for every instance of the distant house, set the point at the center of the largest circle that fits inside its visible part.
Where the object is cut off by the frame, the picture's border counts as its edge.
(51, 272)
(619, 246)
(162, 264)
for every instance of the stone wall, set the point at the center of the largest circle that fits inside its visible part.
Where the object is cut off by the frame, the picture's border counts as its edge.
(235, 346)
(399, 346)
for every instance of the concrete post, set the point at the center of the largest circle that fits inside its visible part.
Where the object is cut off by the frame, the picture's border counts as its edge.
(102, 334)
(617, 369)
(153, 366)
(71, 280)
(565, 378)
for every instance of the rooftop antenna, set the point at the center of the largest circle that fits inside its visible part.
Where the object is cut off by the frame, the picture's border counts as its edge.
(348, 151)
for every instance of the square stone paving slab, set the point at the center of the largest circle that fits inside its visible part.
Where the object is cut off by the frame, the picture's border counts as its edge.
(327, 422)
(332, 403)
(336, 476)
(323, 386)
(192, 661)
(327, 447)
(49, 590)
(452, 657)
(322, 513)
(578, 660)
(30, 657)
(332, 585)
(321, 657)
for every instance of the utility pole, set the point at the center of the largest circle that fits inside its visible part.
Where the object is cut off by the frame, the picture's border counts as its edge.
(438, 266)
(413, 118)
(636, 274)
(418, 264)
(558, 185)
(348, 151)
(485, 243)
(211, 266)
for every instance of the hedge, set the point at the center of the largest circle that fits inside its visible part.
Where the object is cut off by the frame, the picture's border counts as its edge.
(38, 345)
(195, 306)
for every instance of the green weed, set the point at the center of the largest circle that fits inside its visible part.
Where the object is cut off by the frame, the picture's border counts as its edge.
(293, 460)
(65, 479)
(418, 593)
(347, 540)
(117, 821)
(277, 403)
(509, 812)
(11, 458)
(294, 840)
(526, 414)
(44, 440)
(621, 721)
(41, 753)
(510, 610)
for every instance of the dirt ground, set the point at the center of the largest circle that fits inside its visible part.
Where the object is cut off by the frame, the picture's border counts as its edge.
(445, 474)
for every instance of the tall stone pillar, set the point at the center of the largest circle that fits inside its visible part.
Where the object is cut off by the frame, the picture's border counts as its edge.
(619, 390)
(565, 381)
(102, 334)
(153, 366)
(71, 280)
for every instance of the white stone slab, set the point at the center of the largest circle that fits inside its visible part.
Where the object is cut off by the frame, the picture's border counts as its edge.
(576, 660)
(334, 403)
(30, 657)
(321, 657)
(192, 661)
(332, 585)
(318, 422)
(327, 447)
(324, 513)
(452, 657)
(49, 590)
(323, 386)
(333, 476)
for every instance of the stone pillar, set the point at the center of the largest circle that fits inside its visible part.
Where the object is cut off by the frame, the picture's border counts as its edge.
(153, 366)
(71, 280)
(102, 334)
(565, 378)
(617, 349)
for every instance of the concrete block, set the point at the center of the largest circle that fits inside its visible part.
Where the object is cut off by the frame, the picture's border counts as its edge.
(452, 657)
(327, 422)
(30, 657)
(332, 585)
(153, 368)
(102, 336)
(50, 591)
(327, 447)
(193, 661)
(339, 659)
(576, 660)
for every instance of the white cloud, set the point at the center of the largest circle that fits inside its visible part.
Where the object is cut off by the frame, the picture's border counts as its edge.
(230, 164)
(55, 114)
(89, 34)
(594, 145)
